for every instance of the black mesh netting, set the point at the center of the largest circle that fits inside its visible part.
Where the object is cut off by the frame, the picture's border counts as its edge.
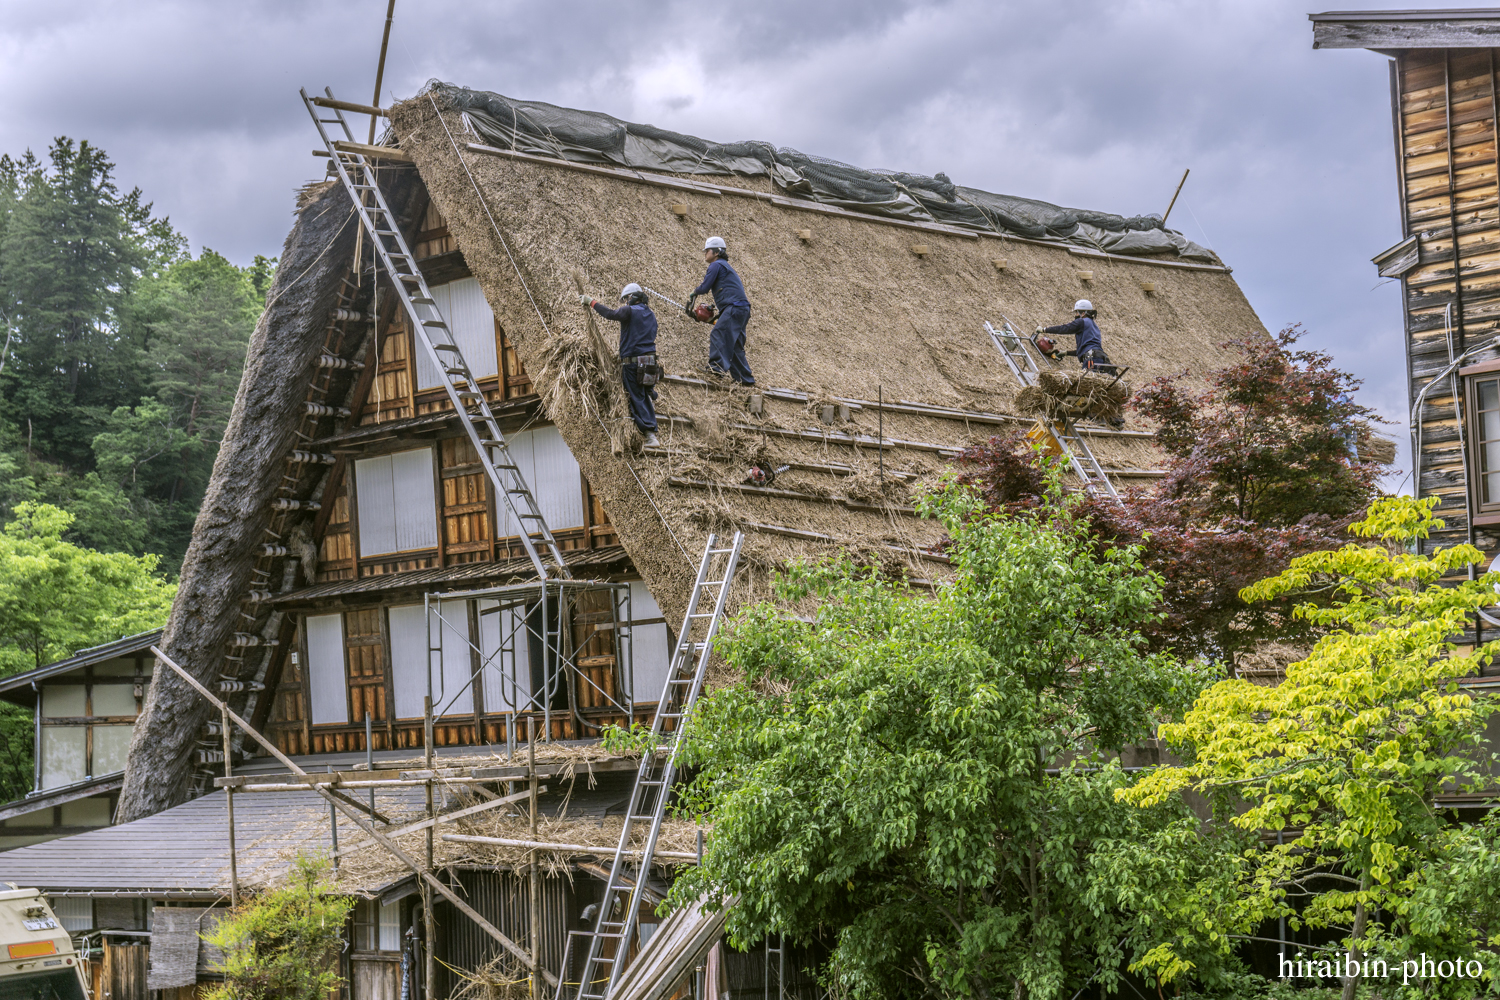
(592, 137)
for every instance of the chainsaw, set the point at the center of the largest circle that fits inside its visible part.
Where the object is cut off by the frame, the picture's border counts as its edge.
(703, 313)
(764, 475)
(1045, 346)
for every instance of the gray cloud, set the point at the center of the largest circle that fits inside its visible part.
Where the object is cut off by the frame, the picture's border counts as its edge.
(1088, 103)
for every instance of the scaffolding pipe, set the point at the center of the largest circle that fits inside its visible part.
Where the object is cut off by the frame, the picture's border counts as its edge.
(359, 821)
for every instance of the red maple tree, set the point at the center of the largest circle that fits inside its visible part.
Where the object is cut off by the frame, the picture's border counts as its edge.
(1263, 465)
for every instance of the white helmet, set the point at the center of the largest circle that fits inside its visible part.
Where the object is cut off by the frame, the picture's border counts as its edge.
(1083, 305)
(715, 243)
(629, 290)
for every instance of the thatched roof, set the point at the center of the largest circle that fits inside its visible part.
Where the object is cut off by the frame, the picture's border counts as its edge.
(848, 309)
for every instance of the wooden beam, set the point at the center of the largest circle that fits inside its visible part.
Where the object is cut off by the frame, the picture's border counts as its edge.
(358, 109)
(373, 152)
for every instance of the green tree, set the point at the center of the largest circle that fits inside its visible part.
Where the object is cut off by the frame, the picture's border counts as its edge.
(930, 784)
(283, 944)
(1351, 750)
(72, 248)
(56, 597)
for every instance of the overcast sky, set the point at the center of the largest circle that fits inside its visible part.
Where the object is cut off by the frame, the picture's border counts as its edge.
(1085, 103)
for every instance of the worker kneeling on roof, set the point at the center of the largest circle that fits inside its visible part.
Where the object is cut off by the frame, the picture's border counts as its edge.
(638, 367)
(1088, 343)
(726, 342)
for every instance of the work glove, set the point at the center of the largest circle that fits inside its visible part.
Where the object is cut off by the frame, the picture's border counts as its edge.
(1040, 328)
(585, 301)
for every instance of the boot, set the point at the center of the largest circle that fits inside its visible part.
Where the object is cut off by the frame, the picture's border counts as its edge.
(651, 440)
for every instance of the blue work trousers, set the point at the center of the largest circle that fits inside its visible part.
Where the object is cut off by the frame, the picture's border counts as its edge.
(641, 397)
(726, 344)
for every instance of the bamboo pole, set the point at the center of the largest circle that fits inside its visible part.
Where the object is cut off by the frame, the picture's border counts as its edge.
(429, 925)
(234, 867)
(359, 820)
(1169, 207)
(385, 41)
(544, 845)
(536, 898)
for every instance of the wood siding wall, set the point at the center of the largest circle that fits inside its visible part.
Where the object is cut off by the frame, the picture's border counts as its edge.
(1447, 149)
(1445, 111)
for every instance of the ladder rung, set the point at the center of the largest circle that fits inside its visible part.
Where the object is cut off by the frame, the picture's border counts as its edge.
(437, 323)
(445, 347)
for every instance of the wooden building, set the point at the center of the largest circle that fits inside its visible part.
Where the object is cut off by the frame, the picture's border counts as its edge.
(1445, 121)
(83, 711)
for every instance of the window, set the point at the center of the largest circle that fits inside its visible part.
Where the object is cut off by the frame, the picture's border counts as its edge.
(397, 502)
(468, 315)
(1482, 401)
(1485, 393)
(75, 913)
(452, 690)
(325, 669)
(552, 473)
(390, 926)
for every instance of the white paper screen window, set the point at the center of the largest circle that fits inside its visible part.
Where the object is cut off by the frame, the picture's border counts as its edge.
(468, 315)
(648, 648)
(452, 694)
(397, 503)
(325, 669)
(552, 473)
(506, 658)
(390, 926)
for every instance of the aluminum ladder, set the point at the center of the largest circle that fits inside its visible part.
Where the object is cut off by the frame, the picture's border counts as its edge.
(1013, 349)
(653, 781)
(436, 338)
(1074, 446)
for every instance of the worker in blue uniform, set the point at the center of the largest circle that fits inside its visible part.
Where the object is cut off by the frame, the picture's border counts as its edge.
(638, 368)
(726, 342)
(1088, 342)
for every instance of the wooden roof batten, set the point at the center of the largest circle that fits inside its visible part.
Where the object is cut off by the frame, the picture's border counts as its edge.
(1390, 31)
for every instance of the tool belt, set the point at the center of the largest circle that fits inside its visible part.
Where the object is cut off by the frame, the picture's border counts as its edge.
(649, 372)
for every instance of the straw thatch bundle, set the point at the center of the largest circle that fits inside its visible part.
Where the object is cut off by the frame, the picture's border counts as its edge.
(1076, 394)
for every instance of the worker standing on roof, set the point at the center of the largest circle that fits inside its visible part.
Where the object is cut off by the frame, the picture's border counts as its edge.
(1088, 343)
(638, 367)
(726, 342)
